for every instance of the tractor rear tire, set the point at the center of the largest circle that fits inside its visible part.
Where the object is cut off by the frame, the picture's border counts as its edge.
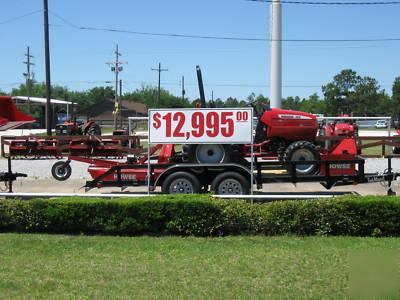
(181, 183)
(302, 151)
(207, 153)
(61, 170)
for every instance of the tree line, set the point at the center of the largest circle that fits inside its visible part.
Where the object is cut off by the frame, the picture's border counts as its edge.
(348, 93)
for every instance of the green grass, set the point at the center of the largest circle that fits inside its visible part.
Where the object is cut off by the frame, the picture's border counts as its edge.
(100, 267)
(376, 150)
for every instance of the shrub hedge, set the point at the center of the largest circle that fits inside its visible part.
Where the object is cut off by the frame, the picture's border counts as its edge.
(203, 216)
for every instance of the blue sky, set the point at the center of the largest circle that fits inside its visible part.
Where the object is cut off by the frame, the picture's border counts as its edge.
(230, 68)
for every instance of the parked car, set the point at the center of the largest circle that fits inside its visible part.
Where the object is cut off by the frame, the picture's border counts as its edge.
(381, 124)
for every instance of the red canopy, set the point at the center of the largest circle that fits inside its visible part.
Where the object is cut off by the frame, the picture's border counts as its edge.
(10, 116)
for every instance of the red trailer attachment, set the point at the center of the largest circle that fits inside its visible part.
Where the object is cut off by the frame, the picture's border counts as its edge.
(10, 116)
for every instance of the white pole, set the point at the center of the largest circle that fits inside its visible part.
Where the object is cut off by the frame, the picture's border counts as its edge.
(148, 168)
(276, 54)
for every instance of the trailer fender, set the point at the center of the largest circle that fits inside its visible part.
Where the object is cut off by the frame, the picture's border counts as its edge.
(204, 171)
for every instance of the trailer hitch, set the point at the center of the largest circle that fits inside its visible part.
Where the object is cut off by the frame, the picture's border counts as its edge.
(9, 176)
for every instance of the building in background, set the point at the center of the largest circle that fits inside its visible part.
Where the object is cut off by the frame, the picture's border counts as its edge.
(102, 112)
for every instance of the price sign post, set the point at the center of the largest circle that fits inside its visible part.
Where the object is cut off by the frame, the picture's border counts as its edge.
(201, 126)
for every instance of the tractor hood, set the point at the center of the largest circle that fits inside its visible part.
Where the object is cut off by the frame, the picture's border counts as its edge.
(290, 124)
(10, 116)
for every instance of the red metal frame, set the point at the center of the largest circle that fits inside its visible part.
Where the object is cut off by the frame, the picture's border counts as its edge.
(10, 116)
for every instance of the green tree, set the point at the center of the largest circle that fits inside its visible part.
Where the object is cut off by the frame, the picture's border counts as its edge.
(251, 98)
(147, 95)
(231, 102)
(292, 103)
(350, 93)
(396, 97)
(262, 102)
(313, 105)
(219, 103)
(94, 96)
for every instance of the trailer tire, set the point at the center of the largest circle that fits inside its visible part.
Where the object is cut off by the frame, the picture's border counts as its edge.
(207, 153)
(302, 151)
(61, 170)
(181, 183)
(230, 183)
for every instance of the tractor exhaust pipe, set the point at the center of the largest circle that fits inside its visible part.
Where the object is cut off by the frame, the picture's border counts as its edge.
(201, 87)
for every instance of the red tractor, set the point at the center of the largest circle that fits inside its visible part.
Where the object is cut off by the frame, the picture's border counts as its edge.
(345, 127)
(283, 134)
(76, 128)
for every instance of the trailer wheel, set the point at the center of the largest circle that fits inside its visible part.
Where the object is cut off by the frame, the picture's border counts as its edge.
(207, 153)
(181, 183)
(230, 183)
(302, 151)
(61, 170)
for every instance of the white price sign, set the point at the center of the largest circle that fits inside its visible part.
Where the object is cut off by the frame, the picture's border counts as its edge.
(201, 125)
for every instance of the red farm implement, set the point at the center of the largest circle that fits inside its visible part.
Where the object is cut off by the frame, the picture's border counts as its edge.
(61, 146)
(10, 116)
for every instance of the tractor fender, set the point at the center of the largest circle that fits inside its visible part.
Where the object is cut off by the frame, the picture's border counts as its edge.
(201, 170)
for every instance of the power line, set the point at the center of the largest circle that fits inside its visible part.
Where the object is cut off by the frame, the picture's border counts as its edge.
(235, 85)
(330, 3)
(63, 19)
(10, 2)
(20, 17)
(176, 35)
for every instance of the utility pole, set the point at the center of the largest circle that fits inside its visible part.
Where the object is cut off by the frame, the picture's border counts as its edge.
(183, 88)
(29, 76)
(120, 103)
(276, 54)
(159, 70)
(115, 67)
(47, 66)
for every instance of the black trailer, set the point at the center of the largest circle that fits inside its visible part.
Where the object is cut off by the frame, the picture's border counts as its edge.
(232, 178)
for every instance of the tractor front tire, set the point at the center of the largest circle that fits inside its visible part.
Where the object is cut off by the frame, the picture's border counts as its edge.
(302, 151)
